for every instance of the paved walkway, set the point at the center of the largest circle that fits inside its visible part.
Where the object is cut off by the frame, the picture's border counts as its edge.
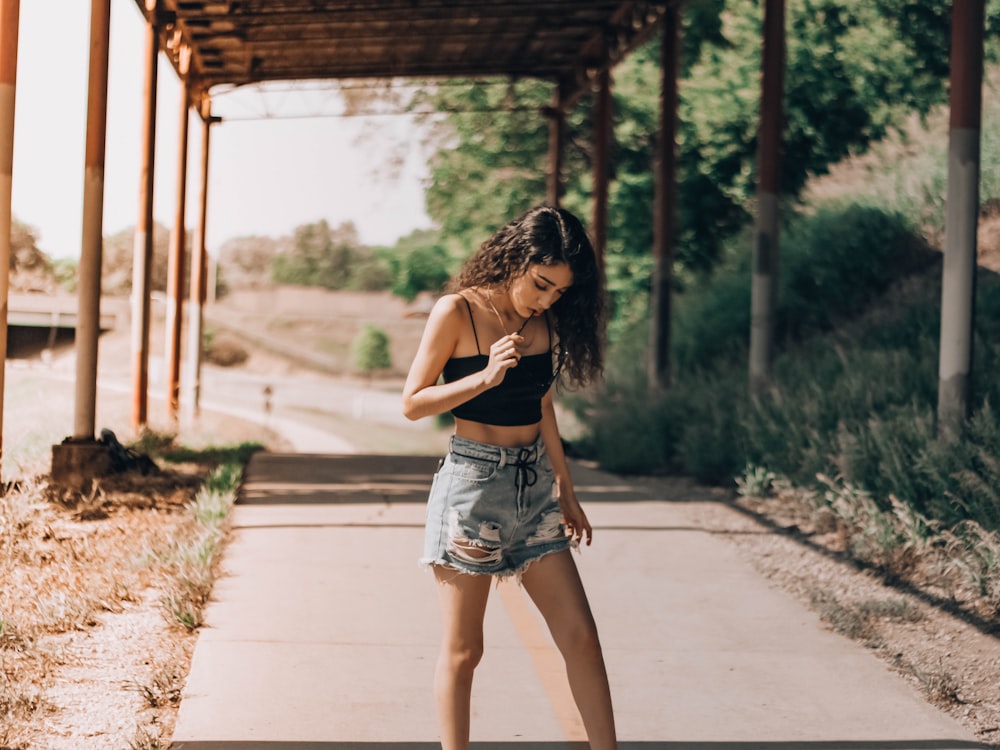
(323, 632)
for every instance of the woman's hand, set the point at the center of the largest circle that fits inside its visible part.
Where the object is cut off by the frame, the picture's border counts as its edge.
(574, 517)
(504, 355)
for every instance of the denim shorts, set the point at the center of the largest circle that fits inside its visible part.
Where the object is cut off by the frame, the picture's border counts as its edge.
(493, 510)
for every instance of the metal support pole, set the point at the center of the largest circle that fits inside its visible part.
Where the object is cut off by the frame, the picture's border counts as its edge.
(89, 300)
(765, 247)
(602, 143)
(557, 127)
(175, 272)
(958, 287)
(142, 253)
(199, 268)
(9, 20)
(665, 205)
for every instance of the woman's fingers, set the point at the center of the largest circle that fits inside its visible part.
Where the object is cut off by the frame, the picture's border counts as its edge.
(580, 529)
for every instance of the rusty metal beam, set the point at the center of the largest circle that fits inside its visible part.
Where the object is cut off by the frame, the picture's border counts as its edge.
(557, 134)
(603, 132)
(199, 267)
(958, 286)
(89, 290)
(9, 22)
(142, 254)
(665, 207)
(249, 42)
(175, 272)
(765, 247)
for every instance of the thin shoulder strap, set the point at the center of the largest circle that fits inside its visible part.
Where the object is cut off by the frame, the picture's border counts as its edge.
(472, 322)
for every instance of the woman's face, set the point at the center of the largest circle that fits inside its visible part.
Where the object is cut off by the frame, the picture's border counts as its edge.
(540, 287)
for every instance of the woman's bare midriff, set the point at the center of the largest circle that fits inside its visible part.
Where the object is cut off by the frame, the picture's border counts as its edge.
(505, 436)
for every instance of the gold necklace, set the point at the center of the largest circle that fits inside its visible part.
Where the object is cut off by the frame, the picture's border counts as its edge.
(489, 301)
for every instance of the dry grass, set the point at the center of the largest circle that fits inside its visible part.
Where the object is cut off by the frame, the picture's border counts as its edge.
(960, 565)
(70, 559)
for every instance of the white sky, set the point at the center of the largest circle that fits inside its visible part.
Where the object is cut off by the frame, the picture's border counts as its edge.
(265, 176)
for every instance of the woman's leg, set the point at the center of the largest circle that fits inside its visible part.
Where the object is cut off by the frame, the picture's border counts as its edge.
(463, 605)
(554, 585)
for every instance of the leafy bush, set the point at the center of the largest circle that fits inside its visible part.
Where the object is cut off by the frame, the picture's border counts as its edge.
(837, 260)
(370, 350)
(853, 397)
(418, 267)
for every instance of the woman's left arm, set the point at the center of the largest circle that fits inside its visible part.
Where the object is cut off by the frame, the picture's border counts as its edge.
(575, 518)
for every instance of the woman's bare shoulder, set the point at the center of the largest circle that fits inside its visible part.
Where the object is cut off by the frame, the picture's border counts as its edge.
(453, 305)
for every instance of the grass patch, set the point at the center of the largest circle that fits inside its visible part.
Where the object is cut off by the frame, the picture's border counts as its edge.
(189, 563)
(859, 621)
(69, 559)
(163, 687)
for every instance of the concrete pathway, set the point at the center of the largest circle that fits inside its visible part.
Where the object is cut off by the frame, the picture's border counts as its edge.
(323, 632)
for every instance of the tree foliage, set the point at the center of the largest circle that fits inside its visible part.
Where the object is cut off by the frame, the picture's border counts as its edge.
(853, 72)
(330, 257)
(419, 263)
(370, 350)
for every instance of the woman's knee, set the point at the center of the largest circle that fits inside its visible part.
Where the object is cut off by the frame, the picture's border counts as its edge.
(462, 659)
(580, 640)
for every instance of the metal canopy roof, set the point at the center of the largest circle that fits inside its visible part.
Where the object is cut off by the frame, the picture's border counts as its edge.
(248, 41)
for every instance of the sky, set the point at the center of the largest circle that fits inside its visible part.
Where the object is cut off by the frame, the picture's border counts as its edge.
(266, 176)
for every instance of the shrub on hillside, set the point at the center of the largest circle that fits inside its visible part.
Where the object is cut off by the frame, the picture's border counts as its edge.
(224, 350)
(370, 350)
(836, 261)
(832, 264)
(853, 399)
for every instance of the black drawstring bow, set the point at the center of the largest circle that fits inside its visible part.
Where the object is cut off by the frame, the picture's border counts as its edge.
(525, 464)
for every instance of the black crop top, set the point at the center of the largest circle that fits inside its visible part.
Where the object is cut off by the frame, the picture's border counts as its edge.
(518, 398)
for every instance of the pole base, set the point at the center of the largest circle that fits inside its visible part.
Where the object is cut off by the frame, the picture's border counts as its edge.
(76, 462)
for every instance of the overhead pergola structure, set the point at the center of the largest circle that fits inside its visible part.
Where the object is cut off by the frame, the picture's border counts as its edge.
(572, 43)
(226, 43)
(229, 43)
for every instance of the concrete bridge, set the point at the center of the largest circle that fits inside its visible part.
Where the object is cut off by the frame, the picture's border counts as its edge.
(40, 310)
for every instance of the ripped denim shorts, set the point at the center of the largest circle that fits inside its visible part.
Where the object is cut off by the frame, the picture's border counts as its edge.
(493, 510)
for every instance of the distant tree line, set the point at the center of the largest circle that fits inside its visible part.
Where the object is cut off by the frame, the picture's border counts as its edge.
(320, 255)
(315, 254)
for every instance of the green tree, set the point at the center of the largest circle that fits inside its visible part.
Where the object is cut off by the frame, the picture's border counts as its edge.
(330, 257)
(370, 350)
(419, 263)
(854, 70)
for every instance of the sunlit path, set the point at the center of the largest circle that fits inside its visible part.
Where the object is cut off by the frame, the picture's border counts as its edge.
(323, 631)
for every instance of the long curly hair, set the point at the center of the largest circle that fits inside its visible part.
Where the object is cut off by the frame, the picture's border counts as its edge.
(546, 236)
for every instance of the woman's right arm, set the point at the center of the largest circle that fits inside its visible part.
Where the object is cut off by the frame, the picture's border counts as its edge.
(423, 396)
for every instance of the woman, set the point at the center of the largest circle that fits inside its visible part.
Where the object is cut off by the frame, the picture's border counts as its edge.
(528, 307)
